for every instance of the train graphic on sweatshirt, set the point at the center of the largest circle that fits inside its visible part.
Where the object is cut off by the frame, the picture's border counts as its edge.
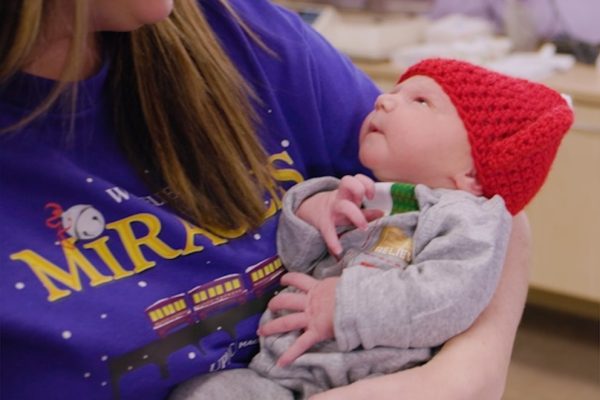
(196, 304)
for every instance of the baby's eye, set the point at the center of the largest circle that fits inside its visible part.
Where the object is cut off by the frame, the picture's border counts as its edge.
(421, 100)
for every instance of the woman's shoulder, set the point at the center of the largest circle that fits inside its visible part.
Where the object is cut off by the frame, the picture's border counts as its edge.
(275, 14)
(259, 15)
(314, 93)
(279, 29)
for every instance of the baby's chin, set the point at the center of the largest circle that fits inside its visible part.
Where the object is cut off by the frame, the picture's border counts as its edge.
(364, 158)
(369, 162)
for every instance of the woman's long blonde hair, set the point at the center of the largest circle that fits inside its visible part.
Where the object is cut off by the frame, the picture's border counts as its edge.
(182, 110)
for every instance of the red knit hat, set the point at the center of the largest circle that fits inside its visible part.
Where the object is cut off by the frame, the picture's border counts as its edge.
(515, 126)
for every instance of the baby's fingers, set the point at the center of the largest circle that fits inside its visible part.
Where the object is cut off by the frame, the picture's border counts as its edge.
(351, 189)
(288, 301)
(372, 214)
(299, 280)
(346, 210)
(287, 323)
(331, 239)
(368, 184)
(307, 340)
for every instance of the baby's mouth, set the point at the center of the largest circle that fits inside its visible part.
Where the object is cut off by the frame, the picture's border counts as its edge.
(373, 128)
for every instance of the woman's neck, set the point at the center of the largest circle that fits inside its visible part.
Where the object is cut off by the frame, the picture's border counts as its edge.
(49, 59)
(50, 55)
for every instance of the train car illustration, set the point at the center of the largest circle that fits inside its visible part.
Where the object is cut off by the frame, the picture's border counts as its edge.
(167, 314)
(217, 294)
(197, 303)
(265, 273)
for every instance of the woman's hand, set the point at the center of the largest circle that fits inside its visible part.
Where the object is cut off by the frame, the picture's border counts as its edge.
(474, 364)
(328, 210)
(314, 307)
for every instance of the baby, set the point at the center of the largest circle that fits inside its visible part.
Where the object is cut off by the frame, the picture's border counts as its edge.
(461, 149)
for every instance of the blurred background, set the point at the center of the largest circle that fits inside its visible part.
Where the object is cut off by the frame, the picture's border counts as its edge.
(557, 42)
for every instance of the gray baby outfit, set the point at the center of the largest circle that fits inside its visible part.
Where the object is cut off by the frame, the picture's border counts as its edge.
(408, 283)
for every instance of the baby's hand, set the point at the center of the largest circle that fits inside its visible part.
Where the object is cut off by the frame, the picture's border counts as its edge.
(314, 307)
(328, 210)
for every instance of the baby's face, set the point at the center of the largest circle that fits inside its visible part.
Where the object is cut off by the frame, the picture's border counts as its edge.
(415, 135)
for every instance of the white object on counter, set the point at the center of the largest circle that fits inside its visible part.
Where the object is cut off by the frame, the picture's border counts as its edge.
(455, 36)
(477, 51)
(457, 27)
(371, 38)
(534, 65)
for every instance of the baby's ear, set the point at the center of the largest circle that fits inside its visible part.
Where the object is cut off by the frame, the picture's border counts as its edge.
(468, 182)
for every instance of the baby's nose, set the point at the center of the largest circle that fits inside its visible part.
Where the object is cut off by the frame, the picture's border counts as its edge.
(385, 102)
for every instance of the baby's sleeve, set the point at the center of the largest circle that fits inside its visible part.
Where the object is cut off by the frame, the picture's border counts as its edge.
(300, 244)
(459, 251)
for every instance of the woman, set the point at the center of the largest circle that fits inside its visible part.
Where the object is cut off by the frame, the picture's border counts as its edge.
(141, 250)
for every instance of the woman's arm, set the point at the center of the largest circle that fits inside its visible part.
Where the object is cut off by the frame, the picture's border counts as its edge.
(474, 364)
